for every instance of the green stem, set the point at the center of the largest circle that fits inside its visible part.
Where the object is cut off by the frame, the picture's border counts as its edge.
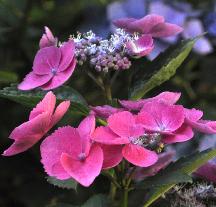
(125, 198)
(108, 92)
(112, 193)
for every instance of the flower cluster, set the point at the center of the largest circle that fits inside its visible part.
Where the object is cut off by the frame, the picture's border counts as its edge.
(136, 132)
(55, 62)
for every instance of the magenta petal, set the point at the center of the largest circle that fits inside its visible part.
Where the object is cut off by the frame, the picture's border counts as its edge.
(112, 155)
(123, 23)
(63, 140)
(204, 126)
(105, 111)
(61, 109)
(46, 59)
(141, 47)
(87, 126)
(85, 171)
(46, 105)
(60, 78)
(67, 54)
(145, 24)
(193, 114)
(184, 133)
(27, 134)
(165, 30)
(132, 105)
(168, 118)
(32, 81)
(139, 156)
(123, 124)
(47, 39)
(105, 136)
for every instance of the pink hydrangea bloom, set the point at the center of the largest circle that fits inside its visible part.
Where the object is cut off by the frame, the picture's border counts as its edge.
(42, 118)
(47, 39)
(141, 47)
(122, 129)
(105, 111)
(70, 153)
(165, 97)
(152, 24)
(51, 68)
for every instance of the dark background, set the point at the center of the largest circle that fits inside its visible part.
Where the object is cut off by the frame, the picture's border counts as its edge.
(22, 179)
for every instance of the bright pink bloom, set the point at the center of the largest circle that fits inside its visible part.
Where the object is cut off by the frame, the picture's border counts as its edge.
(51, 68)
(122, 129)
(193, 119)
(160, 117)
(69, 152)
(165, 97)
(105, 111)
(48, 39)
(141, 47)
(42, 118)
(152, 24)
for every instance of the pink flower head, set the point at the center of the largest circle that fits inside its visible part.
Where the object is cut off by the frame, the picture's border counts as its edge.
(51, 68)
(122, 129)
(167, 97)
(152, 24)
(193, 119)
(141, 47)
(48, 39)
(42, 118)
(69, 152)
(160, 117)
(105, 111)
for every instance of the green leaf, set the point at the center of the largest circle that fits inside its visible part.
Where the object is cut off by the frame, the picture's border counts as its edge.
(8, 77)
(97, 201)
(161, 69)
(186, 165)
(67, 184)
(31, 98)
(61, 205)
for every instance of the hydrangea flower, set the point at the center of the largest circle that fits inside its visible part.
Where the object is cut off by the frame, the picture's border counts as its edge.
(122, 129)
(70, 153)
(42, 118)
(51, 68)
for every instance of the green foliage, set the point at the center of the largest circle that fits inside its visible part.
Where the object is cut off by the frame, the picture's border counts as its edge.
(31, 98)
(161, 69)
(67, 184)
(8, 77)
(98, 200)
(183, 166)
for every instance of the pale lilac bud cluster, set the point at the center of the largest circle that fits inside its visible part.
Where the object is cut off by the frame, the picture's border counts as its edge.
(103, 54)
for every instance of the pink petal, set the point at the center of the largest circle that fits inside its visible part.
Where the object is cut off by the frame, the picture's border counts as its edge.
(184, 133)
(141, 47)
(27, 134)
(87, 126)
(165, 30)
(47, 39)
(85, 171)
(139, 156)
(67, 54)
(46, 105)
(32, 81)
(123, 124)
(167, 97)
(145, 24)
(112, 155)
(204, 126)
(193, 114)
(46, 59)
(63, 140)
(105, 111)
(60, 78)
(166, 118)
(105, 136)
(123, 23)
(60, 111)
